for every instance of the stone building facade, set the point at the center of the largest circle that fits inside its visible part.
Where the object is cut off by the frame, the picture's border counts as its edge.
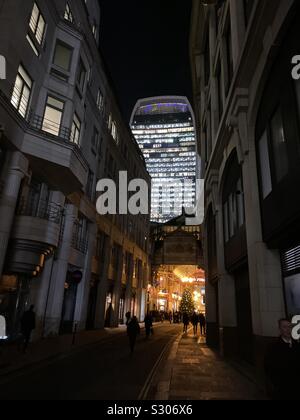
(248, 122)
(61, 131)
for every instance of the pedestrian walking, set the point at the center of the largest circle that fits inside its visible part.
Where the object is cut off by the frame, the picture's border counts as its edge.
(202, 321)
(148, 325)
(282, 365)
(28, 323)
(128, 317)
(171, 317)
(195, 320)
(133, 330)
(186, 322)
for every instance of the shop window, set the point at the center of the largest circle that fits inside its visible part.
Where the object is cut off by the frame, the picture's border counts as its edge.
(279, 145)
(265, 169)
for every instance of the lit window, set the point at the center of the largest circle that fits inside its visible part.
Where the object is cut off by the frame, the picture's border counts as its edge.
(76, 129)
(68, 14)
(100, 100)
(37, 24)
(22, 90)
(53, 116)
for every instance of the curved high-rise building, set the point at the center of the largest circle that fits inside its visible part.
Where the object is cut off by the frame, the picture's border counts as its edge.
(165, 131)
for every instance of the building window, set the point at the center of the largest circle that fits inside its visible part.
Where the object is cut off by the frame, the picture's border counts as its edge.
(81, 76)
(240, 203)
(76, 129)
(226, 223)
(100, 247)
(90, 191)
(230, 68)
(95, 30)
(62, 56)
(22, 91)
(265, 169)
(220, 90)
(233, 202)
(95, 140)
(100, 100)
(248, 8)
(279, 146)
(68, 14)
(207, 61)
(53, 116)
(114, 132)
(37, 24)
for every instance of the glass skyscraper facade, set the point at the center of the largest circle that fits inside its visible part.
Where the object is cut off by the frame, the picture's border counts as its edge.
(164, 129)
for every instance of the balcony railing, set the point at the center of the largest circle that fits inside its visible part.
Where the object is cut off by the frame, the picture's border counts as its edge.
(41, 210)
(16, 100)
(50, 128)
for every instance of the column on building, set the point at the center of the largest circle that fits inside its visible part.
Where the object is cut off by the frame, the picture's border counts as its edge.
(267, 294)
(59, 273)
(84, 287)
(41, 286)
(117, 288)
(128, 294)
(141, 293)
(16, 171)
(226, 295)
(103, 285)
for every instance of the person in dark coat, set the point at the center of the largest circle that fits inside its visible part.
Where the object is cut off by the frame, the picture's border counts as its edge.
(186, 322)
(202, 321)
(128, 317)
(27, 326)
(133, 330)
(195, 321)
(148, 325)
(282, 365)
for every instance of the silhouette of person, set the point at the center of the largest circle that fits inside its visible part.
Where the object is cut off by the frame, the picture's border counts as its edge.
(202, 324)
(186, 322)
(282, 365)
(195, 321)
(128, 317)
(148, 325)
(27, 326)
(133, 330)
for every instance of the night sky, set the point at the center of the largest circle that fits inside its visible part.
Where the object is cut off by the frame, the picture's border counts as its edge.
(146, 48)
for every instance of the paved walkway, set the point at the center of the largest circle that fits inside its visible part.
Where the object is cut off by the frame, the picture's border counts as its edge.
(194, 372)
(12, 359)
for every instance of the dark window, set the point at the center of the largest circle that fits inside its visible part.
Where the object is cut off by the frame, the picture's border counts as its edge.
(279, 146)
(207, 61)
(230, 68)
(220, 90)
(248, 8)
(81, 76)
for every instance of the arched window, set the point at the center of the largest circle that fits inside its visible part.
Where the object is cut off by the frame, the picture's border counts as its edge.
(234, 214)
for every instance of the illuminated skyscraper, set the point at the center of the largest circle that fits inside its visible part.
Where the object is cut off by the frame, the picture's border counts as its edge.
(165, 131)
